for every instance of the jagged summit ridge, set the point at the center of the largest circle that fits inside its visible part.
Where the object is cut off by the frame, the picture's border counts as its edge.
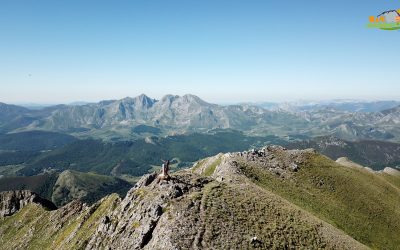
(178, 213)
(259, 199)
(173, 114)
(194, 210)
(178, 112)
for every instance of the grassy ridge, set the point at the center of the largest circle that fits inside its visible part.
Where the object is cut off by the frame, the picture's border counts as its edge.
(35, 228)
(211, 169)
(87, 187)
(360, 203)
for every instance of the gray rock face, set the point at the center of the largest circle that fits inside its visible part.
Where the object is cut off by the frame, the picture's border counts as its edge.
(171, 114)
(180, 114)
(12, 201)
(277, 159)
(390, 16)
(132, 225)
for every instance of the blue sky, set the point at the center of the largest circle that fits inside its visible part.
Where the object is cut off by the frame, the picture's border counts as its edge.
(223, 51)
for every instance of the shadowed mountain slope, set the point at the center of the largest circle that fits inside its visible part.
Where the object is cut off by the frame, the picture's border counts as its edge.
(68, 185)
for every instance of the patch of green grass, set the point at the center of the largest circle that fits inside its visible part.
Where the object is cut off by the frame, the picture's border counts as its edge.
(35, 228)
(211, 169)
(136, 224)
(141, 192)
(65, 233)
(16, 226)
(198, 165)
(394, 180)
(90, 224)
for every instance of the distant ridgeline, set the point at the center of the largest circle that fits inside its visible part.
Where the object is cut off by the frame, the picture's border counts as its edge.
(142, 116)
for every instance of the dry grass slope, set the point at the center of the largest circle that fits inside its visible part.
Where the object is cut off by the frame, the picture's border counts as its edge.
(362, 204)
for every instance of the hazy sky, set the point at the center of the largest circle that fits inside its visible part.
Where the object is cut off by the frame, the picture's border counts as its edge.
(223, 51)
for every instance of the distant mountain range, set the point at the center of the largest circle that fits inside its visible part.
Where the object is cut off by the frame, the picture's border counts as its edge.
(279, 196)
(341, 105)
(142, 116)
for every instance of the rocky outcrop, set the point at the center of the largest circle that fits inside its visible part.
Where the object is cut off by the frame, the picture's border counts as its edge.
(135, 224)
(391, 171)
(192, 211)
(12, 201)
(275, 159)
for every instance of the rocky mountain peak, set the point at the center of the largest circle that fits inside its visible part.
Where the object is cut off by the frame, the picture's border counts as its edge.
(169, 98)
(185, 99)
(188, 98)
(12, 201)
(144, 101)
(139, 102)
(104, 103)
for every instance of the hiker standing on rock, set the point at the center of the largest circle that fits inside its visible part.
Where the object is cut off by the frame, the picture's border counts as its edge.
(165, 167)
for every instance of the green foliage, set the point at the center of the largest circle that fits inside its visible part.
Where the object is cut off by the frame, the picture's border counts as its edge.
(136, 158)
(34, 140)
(141, 129)
(63, 188)
(40, 184)
(17, 157)
(87, 187)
